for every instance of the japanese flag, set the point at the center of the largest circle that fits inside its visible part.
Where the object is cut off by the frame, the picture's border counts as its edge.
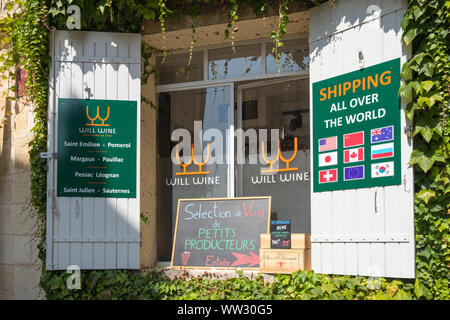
(327, 159)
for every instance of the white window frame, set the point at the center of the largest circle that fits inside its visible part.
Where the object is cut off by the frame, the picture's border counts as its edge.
(206, 82)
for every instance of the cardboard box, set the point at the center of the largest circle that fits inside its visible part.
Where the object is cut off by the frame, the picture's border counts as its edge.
(298, 241)
(284, 260)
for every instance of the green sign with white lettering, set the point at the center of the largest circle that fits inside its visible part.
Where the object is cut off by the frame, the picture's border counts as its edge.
(96, 153)
(356, 129)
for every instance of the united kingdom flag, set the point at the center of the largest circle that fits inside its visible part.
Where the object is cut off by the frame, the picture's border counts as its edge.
(382, 134)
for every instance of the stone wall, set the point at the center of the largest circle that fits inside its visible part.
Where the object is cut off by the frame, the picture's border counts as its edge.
(20, 268)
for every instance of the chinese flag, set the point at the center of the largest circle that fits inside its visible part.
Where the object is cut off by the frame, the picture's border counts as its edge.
(353, 139)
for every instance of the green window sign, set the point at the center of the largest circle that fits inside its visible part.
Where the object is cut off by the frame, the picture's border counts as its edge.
(96, 148)
(356, 129)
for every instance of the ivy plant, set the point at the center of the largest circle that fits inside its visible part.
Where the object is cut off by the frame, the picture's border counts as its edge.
(426, 87)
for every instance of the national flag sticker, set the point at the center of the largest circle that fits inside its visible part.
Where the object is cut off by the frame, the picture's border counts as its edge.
(353, 139)
(327, 144)
(326, 176)
(381, 151)
(354, 173)
(382, 134)
(383, 169)
(354, 155)
(328, 159)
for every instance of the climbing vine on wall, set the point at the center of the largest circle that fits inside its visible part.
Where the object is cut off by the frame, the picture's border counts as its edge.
(426, 27)
(25, 36)
(25, 32)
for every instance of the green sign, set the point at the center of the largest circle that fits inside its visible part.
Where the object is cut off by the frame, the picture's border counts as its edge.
(96, 148)
(356, 129)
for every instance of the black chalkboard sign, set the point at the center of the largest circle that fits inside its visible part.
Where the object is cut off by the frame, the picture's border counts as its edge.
(280, 234)
(220, 232)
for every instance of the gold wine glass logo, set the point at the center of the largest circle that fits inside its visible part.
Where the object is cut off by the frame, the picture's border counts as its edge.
(279, 156)
(192, 159)
(97, 116)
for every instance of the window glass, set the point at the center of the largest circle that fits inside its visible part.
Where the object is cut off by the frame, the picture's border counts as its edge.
(282, 168)
(175, 68)
(225, 63)
(200, 116)
(294, 56)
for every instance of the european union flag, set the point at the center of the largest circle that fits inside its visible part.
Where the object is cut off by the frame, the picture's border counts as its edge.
(382, 134)
(354, 173)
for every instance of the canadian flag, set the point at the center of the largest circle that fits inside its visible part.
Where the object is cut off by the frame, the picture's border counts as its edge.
(326, 176)
(354, 155)
(328, 159)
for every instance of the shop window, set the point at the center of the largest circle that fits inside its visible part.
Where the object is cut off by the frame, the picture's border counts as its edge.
(264, 101)
(283, 106)
(227, 63)
(189, 114)
(175, 68)
(294, 56)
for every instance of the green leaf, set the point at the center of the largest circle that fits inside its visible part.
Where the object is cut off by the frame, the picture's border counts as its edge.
(417, 12)
(421, 291)
(425, 195)
(427, 85)
(428, 69)
(406, 72)
(409, 36)
(402, 295)
(407, 19)
(419, 158)
(56, 282)
(149, 15)
(427, 126)
(406, 90)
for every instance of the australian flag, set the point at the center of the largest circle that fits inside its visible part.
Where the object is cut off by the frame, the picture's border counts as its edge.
(382, 134)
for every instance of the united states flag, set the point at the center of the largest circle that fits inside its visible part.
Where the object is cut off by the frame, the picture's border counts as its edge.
(327, 144)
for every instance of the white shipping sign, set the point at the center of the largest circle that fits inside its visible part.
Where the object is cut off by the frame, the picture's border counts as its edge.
(366, 231)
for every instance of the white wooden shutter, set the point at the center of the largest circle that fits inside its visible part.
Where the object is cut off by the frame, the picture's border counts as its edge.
(93, 233)
(368, 231)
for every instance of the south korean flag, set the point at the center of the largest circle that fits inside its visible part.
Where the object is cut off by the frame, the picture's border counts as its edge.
(383, 169)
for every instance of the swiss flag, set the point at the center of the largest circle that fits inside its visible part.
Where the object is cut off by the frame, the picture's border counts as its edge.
(326, 176)
(354, 155)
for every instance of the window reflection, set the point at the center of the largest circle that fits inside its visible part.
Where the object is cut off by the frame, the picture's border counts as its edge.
(225, 63)
(283, 106)
(294, 56)
(198, 112)
(176, 69)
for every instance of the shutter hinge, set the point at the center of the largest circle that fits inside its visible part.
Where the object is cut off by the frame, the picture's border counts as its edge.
(408, 130)
(48, 155)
